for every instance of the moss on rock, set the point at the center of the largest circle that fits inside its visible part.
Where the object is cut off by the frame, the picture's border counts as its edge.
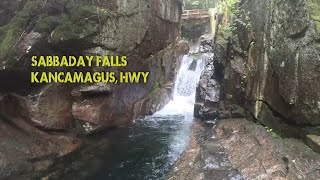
(80, 21)
(9, 34)
(314, 10)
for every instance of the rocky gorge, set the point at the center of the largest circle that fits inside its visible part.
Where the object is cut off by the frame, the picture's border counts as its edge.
(257, 98)
(256, 105)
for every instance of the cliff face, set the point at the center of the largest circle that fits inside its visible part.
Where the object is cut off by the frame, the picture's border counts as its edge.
(192, 29)
(270, 66)
(266, 71)
(146, 31)
(283, 60)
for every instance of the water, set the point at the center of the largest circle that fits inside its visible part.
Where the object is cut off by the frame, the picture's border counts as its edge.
(149, 147)
(156, 142)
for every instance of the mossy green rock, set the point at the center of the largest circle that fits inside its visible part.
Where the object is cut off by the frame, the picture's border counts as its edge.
(314, 9)
(12, 32)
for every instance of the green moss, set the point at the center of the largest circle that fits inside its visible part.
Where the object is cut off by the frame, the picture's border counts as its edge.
(82, 21)
(46, 24)
(71, 29)
(11, 33)
(156, 89)
(220, 39)
(314, 10)
(78, 21)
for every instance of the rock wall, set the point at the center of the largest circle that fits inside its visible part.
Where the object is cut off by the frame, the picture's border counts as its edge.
(270, 67)
(285, 59)
(146, 31)
(208, 90)
(192, 29)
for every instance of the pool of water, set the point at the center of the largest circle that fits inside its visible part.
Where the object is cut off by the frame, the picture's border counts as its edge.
(147, 149)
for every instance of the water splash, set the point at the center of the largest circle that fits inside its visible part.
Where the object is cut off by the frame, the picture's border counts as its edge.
(185, 88)
(183, 104)
(149, 147)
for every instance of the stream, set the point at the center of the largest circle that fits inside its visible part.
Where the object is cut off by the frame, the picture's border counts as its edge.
(147, 149)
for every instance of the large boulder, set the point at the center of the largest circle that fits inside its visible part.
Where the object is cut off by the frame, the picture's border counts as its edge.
(146, 31)
(271, 65)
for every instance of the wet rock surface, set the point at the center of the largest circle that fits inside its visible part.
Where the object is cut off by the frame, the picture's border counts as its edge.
(259, 154)
(268, 92)
(192, 29)
(205, 158)
(208, 90)
(313, 142)
(145, 31)
(240, 149)
(267, 70)
(47, 28)
(274, 63)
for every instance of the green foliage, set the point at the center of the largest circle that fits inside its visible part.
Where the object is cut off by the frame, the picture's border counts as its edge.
(199, 4)
(247, 22)
(229, 5)
(227, 29)
(229, 10)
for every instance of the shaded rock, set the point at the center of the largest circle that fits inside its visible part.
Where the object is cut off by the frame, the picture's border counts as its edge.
(51, 107)
(259, 154)
(25, 149)
(270, 66)
(192, 29)
(205, 157)
(91, 90)
(281, 56)
(8, 10)
(193, 65)
(183, 47)
(206, 43)
(207, 94)
(313, 142)
(145, 31)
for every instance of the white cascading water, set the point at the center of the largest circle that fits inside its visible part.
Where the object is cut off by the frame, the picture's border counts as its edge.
(185, 89)
(183, 103)
(154, 143)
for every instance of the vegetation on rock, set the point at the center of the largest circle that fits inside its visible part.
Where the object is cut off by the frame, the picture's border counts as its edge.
(199, 4)
(314, 9)
(10, 33)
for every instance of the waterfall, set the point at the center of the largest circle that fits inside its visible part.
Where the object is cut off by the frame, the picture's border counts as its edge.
(149, 147)
(185, 88)
(183, 104)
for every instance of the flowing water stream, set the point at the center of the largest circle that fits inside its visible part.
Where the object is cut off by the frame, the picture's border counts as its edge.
(150, 146)
(155, 142)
